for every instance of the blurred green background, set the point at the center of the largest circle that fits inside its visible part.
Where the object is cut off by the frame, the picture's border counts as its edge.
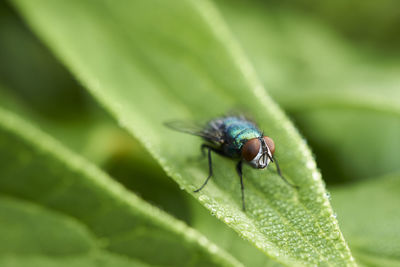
(334, 67)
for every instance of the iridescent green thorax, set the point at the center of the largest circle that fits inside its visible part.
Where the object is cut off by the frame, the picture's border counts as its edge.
(237, 131)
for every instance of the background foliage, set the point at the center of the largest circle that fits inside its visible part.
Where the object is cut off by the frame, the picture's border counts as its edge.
(333, 67)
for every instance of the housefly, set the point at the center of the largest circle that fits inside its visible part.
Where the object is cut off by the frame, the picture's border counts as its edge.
(234, 137)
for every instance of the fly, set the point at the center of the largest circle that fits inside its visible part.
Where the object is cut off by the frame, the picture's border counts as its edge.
(234, 137)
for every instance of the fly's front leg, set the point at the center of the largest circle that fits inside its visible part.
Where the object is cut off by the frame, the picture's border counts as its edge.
(240, 173)
(278, 170)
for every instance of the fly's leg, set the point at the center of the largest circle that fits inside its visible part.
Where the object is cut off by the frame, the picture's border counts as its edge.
(203, 148)
(210, 170)
(239, 171)
(200, 157)
(278, 170)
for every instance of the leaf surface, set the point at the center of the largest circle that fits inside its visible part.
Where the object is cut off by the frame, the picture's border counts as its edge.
(340, 96)
(149, 62)
(37, 169)
(369, 216)
(34, 236)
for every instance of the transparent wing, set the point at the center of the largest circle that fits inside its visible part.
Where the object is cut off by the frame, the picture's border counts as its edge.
(211, 134)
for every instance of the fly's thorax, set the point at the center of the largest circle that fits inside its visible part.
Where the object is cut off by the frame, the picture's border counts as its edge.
(239, 135)
(258, 152)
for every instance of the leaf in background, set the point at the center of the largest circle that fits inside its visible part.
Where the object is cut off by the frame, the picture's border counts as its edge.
(37, 169)
(354, 145)
(138, 172)
(121, 156)
(82, 125)
(34, 74)
(95, 260)
(344, 101)
(31, 235)
(35, 85)
(149, 62)
(369, 216)
(369, 23)
(89, 135)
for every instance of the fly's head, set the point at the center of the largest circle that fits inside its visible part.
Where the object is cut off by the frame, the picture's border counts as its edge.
(258, 152)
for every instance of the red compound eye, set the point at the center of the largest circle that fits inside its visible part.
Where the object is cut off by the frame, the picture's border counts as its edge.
(270, 143)
(250, 149)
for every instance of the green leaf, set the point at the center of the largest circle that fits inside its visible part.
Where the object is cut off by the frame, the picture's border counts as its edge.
(34, 74)
(369, 216)
(48, 94)
(340, 97)
(36, 168)
(29, 229)
(149, 62)
(354, 145)
(91, 134)
(226, 238)
(368, 22)
(95, 260)
(130, 172)
(31, 235)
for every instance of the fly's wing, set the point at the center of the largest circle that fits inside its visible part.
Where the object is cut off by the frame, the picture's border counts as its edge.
(211, 134)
